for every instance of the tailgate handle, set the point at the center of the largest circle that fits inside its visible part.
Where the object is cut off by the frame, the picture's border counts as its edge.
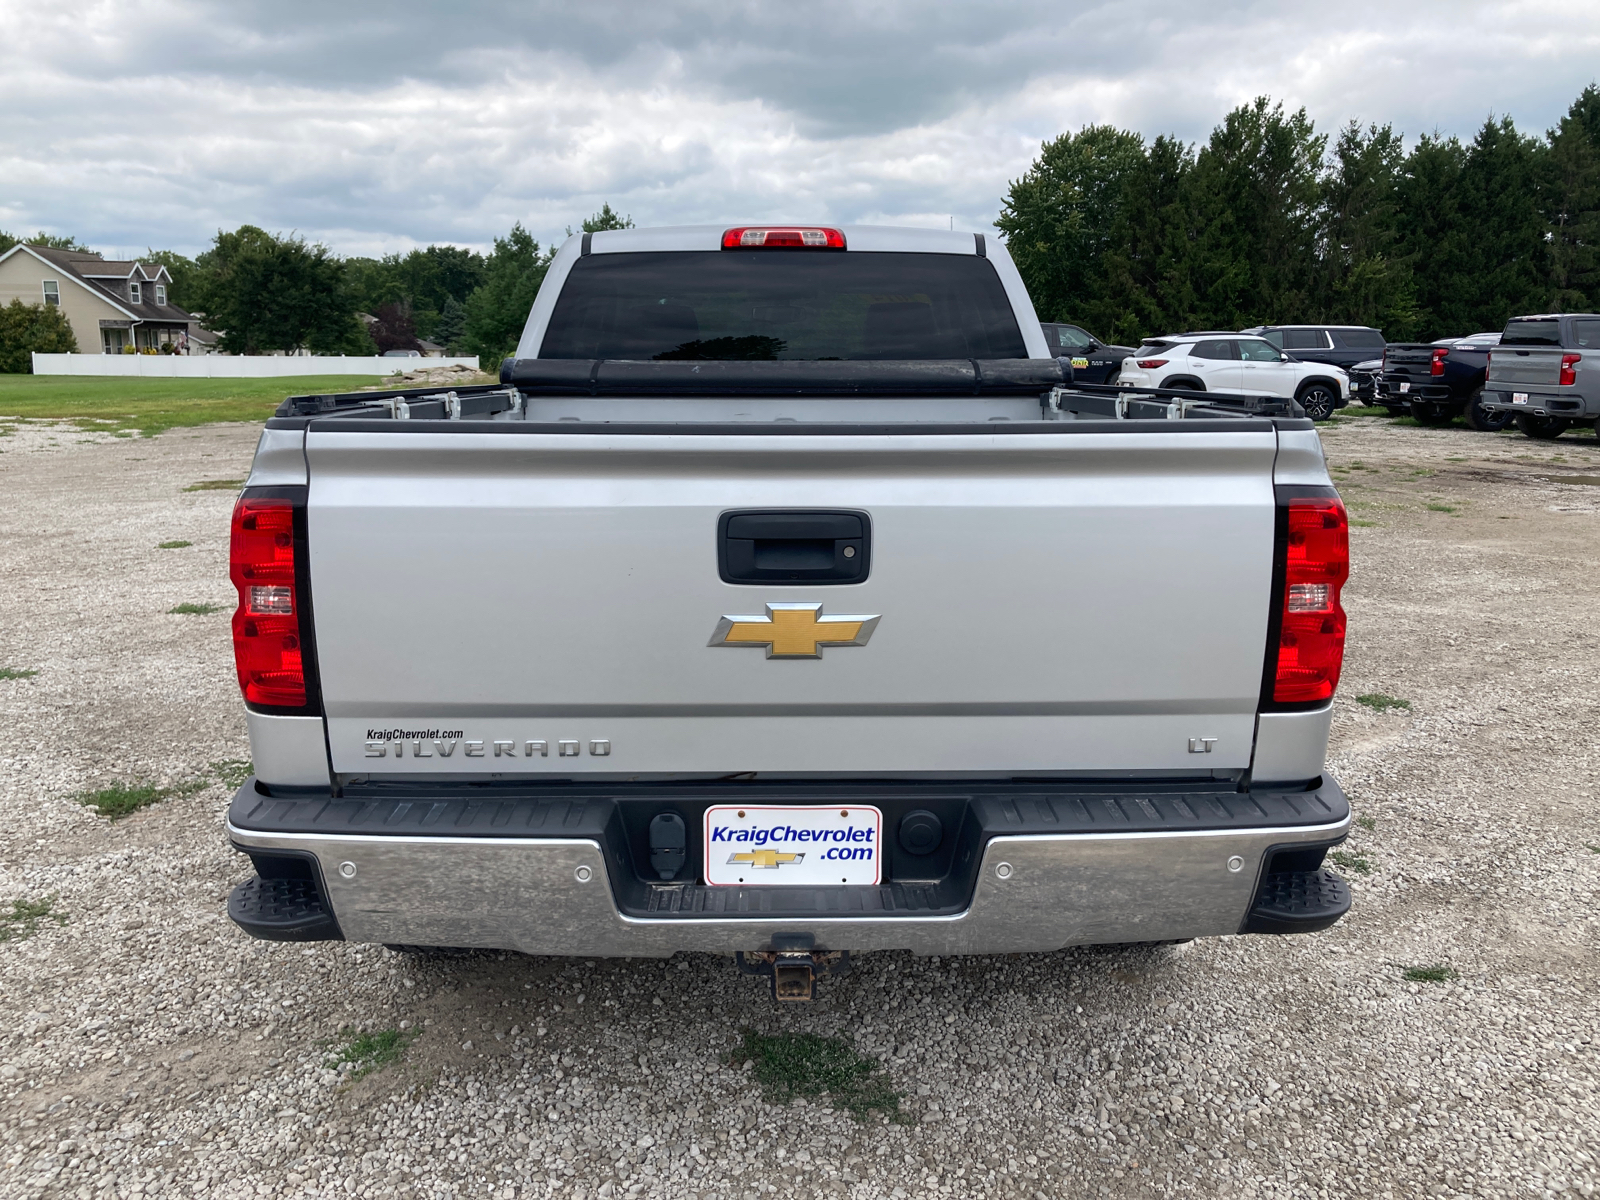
(794, 546)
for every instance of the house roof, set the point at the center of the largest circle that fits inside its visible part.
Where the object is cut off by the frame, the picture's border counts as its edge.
(91, 271)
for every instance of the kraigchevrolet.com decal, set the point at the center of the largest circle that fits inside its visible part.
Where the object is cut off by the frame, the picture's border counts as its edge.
(804, 845)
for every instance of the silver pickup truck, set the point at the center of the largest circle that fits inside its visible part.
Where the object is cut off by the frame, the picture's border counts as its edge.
(787, 599)
(1546, 373)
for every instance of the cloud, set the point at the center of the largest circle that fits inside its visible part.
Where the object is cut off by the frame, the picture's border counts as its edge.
(374, 129)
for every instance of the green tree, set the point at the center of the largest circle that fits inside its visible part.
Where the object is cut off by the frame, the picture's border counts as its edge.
(1148, 287)
(1432, 235)
(1572, 206)
(498, 309)
(7, 241)
(263, 292)
(451, 329)
(29, 328)
(1253, 198)
(424, 279)
(1503, 189)
(1066, 215)
(605, 219)
(1365, 280)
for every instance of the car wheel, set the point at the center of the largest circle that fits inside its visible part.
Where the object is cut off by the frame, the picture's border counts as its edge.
(1543, 428)
(1431, 414)
(1319, 401)
(1479, 418)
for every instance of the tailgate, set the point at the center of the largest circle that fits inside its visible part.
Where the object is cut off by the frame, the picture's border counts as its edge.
(1510, 365)
(537, 603)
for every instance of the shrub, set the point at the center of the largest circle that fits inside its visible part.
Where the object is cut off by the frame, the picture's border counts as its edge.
(26, 329)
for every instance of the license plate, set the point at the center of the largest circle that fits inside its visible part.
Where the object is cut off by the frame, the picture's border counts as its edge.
(793, 845)
(1405, 387)
(1519, 397)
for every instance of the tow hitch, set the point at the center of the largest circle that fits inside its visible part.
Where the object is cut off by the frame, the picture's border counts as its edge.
(793, 968)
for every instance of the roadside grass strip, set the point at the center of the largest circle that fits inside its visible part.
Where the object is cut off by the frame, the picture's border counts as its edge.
(22, 922)
(123, 406)
(215, 485)
(18, 672)
(1437, 974)
(1349, 860)
(788, 1065)
(172, 545)
(193, 610)
(364, 1053)
(1378, 702)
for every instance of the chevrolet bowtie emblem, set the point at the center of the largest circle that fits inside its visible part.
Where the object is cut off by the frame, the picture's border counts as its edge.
(793, 631)
(768, 859)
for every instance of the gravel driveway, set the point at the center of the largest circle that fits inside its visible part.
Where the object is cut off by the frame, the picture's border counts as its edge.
(152, 1049)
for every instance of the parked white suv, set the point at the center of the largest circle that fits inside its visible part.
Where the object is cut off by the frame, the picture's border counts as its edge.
(1234, 362)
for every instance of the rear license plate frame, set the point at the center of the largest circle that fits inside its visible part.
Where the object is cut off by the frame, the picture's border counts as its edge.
(793, 845)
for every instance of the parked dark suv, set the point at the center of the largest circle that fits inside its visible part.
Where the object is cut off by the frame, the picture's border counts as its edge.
(1337, 345)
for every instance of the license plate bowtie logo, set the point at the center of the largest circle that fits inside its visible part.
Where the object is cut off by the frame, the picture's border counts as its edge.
(765, 859)
(794, 631)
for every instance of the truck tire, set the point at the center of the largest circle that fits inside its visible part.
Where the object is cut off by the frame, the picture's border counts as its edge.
(1319, 400)
(1432, 414)
(1544, 429)
(1479, 418)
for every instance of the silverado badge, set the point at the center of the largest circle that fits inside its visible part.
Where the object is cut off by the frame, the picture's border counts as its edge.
(793, 631)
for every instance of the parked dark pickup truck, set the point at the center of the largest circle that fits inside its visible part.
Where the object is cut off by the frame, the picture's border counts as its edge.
(1437, 382)
(1092, 360)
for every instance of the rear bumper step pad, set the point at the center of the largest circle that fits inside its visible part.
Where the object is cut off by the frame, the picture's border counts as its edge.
(1297, 902)
(283, 910)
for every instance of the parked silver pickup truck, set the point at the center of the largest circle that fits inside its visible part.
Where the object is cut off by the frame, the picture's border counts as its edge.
(787, 599)
(1546, 373)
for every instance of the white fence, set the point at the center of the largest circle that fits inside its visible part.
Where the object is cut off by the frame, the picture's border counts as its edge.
(228, 366)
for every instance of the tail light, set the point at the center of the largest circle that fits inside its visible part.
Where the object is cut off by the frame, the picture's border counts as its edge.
(1569, 369)
(1150, 364)
(1385, 361)
(1436, 367)
(271, 626)
(1314, 561)
(772, 237)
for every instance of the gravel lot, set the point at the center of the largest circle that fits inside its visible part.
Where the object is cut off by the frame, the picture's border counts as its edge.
(149, 1048)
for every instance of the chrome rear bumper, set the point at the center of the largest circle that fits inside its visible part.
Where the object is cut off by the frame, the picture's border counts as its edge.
(1034, 892)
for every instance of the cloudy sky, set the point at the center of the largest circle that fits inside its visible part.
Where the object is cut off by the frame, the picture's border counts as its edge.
(380, 126)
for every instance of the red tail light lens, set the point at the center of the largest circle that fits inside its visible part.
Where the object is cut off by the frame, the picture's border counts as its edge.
(266, 627)
(1436, 367)
(1311, 637)
(1569, 369)
(773, 237)
(1150, 364)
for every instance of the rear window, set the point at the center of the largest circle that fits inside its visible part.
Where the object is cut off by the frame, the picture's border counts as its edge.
(1360, 339)
(1586, 333)
(782, 304)
(1154, 347)
(1532, 333)
(1300, 339)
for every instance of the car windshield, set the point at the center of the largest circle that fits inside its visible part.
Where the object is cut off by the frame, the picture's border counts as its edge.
(1536, 332)
(782, 304)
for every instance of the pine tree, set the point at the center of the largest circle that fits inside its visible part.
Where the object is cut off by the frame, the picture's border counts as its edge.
(451, 329)
(1503, 190)
(1253, 197)
(498, 309)
(1364, 280)
(1433, 240)
(1572, 208)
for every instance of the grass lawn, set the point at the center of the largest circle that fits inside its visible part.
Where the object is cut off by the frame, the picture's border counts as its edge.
(151, 405)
